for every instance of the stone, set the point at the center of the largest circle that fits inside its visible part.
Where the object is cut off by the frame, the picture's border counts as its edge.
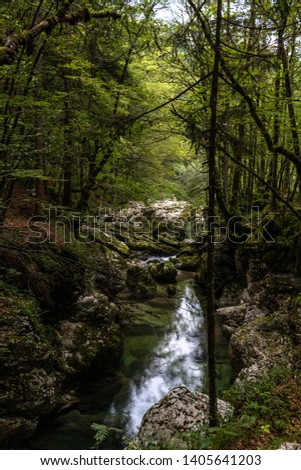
(80, 345)
(231, 318)
(290, 446)
(15, 429)
(96, 307)
(164, 272)
(181, 411)
(258, 342)
(187, 263)
(140, 283)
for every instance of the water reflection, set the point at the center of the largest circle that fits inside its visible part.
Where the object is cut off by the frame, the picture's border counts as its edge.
(157, 357)
(176, 361)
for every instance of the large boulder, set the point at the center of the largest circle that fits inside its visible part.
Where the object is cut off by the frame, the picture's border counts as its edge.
(168, 422)
(81, 346)
(140, 283)
(95, 307)
(257, 346)
(231, 318)
(164, 272)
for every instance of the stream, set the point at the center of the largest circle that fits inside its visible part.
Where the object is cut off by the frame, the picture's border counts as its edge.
(165, 349)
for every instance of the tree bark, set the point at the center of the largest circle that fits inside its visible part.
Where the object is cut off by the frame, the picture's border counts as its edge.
(211, 228)
(12, 43)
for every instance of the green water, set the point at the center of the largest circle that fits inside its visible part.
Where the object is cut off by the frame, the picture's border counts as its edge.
(165, 348)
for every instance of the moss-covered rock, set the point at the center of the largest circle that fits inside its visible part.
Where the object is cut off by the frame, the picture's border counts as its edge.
(112, 243)
(150, 246)
(164, 272)
(139, 282)
(80, 345)
(31, 382)
(187, 263)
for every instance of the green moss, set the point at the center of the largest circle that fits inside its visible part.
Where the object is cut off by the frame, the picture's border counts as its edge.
(187, 263)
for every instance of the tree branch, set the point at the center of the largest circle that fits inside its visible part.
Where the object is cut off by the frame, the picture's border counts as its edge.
(11, 45)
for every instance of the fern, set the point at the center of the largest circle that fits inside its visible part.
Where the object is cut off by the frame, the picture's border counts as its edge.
(101, 434)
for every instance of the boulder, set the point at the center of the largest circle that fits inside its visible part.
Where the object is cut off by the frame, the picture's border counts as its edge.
(81, 346)
(140, 283)
(96, 307)
(164, 272)
(168, 422)
(259, 345)
(231, 318)
(187, 263)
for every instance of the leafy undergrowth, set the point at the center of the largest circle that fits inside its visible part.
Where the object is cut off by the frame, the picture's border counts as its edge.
(267, 413)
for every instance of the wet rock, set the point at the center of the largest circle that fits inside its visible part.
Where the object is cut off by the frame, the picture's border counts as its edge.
(140, 283)
(179, 412)
(164, 272)
(187, 263)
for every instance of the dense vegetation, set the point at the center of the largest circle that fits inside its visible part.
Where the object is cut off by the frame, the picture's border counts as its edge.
(106, 102)
(78, 94)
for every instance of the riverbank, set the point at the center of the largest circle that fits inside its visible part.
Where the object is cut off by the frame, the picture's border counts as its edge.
(66, 300)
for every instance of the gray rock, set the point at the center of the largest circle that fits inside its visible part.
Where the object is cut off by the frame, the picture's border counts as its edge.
(290, 446)
(175, 415)
(256, 344)
(79, 345)
(231, 318)
(95, 307)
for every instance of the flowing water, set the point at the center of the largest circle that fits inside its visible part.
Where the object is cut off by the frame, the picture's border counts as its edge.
(167, 348)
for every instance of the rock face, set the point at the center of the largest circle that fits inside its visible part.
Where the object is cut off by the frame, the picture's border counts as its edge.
(262, 326)
(30, 384)
(179, 412)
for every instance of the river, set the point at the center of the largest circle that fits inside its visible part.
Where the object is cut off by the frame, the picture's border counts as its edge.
(167, 349)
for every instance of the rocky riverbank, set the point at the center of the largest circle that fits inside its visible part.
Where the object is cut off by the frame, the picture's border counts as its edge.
(64, 304)
(257, 290)
(262, 318)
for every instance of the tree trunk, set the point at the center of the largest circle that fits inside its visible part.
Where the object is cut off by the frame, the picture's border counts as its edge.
(211, 229)
(67, 165)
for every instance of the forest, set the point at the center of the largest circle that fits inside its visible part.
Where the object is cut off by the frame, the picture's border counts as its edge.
(150, 167)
